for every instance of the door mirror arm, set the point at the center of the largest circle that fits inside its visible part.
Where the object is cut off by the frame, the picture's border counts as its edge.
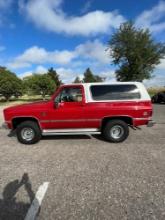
(56, 104)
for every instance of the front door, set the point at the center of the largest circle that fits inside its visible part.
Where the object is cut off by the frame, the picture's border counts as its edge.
(68, 112)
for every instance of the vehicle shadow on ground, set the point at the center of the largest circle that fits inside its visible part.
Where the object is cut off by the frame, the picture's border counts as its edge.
(99, 137)
(68, 137)
(10, 208)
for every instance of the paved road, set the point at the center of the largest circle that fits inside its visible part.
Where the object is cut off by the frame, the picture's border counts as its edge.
(159, 113)
(88, 177)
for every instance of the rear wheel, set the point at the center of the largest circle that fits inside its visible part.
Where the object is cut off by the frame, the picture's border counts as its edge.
(115, 131)
(28, 132)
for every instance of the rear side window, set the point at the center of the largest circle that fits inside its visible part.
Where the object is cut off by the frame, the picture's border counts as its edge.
(114, 92)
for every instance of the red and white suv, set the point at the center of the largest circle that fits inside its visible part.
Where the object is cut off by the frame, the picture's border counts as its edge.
(106, 108)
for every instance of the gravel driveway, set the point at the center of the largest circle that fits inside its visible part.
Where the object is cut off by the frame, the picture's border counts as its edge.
(88, 177)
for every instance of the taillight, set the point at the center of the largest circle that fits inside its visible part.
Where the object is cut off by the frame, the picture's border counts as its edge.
(147, 113)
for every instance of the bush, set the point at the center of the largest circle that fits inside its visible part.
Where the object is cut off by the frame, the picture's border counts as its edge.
(152, 91)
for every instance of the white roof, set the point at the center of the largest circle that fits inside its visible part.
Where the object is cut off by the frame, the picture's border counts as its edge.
(140, 86)
(107, 83)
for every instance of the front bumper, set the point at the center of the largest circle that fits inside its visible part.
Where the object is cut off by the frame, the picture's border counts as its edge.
(151, 123)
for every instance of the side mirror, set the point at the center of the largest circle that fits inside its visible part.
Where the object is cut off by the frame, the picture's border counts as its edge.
(56, 104)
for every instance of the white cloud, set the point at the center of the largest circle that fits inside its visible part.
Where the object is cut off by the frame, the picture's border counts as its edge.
(41, 70)
(108, 74)
(157, 81)
(37, 55)
(91, 51)
(153, 19)
(58, 21)
(67, 74)
(62, 57)
(94, 49)
(162, 65)
(159, 76)
(25, 74)
(38, 70)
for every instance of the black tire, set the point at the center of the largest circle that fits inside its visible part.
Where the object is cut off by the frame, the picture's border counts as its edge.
(115, 124)
(33, 128)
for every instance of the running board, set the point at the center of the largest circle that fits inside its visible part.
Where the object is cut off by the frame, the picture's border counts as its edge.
(47, 132)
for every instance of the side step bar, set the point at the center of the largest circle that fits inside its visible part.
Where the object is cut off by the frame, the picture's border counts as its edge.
(49, 132)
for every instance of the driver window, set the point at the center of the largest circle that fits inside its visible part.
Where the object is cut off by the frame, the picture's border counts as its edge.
(70, 95)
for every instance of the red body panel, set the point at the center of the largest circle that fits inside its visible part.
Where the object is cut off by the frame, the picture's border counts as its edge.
(79, 114)
(131, 109)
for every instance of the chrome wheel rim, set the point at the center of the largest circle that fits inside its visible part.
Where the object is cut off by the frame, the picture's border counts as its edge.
(116, 132)
(27, 134)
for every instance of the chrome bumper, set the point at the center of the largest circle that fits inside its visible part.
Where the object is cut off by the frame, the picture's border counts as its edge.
(151, 123)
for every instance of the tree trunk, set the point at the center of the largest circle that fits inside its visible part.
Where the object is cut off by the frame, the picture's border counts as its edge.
(7, 98)
(43, 97)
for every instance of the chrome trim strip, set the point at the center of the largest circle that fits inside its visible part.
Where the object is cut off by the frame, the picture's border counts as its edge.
(141, 119)
(75, 130)
(70, 133)
(69, 120)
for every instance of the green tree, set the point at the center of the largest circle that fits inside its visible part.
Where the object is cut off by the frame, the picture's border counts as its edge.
(10, 84)
(27, 85)
(40, 84)
(136, 53)
(90, 77)
(55, 77)
(77, 80)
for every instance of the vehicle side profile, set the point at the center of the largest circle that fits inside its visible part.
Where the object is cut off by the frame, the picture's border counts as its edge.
(108, 109)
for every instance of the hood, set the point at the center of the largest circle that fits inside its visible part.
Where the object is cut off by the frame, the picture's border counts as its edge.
(27, 106)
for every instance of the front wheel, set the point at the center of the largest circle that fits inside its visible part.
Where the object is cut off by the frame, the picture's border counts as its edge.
(28, 132)
(115, 131)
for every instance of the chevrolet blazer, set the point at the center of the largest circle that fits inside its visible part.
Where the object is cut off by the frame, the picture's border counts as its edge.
(109, 109)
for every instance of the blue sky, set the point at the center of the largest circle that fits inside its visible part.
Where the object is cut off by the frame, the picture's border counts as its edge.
(72, 35)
